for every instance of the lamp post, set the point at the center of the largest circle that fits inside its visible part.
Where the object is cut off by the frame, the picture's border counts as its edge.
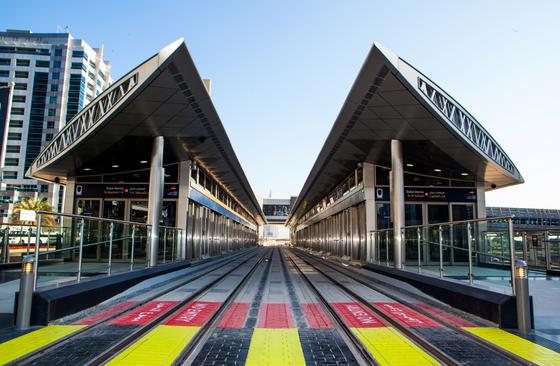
(25, 296)
(522, 297)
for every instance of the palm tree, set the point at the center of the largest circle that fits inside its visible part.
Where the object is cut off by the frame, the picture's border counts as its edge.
(28, 203)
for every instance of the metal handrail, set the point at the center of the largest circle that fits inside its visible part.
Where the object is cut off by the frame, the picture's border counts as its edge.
(93, 218)
(420, 242)
(449, 223)
(83, 246)
(82, 220)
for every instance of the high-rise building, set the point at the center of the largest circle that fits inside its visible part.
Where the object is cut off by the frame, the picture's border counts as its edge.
(55, 76)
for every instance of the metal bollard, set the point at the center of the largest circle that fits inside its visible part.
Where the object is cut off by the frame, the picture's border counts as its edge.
(25, 296)
(522, 297)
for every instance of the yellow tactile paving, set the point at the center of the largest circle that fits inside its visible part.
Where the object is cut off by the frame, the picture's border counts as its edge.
(521, 347)
(29, 342)
(390, 348)
(275, 346)
(159, 347)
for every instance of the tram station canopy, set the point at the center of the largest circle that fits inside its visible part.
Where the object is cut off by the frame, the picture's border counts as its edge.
(390, 99)
(164, 96)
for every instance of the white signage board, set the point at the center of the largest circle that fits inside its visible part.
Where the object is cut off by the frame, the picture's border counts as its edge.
(27, 215)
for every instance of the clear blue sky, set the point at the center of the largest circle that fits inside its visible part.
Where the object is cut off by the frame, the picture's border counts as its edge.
(281, 70)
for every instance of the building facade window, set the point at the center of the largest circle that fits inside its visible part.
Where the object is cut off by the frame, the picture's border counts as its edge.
(58, 52)
(54, 87)
(5, 61)
(18, 99)
(20, 62)
(11, 162)
(4, 73)
(22, 74)
(42, 63)
(17, 111)
(36, 118)
(10, 175)
(14, 123)
(56, 64)
(52, 100)
(55, 75)
(50, 124)
(49, 137)
(52, 112)
(20, 86)
(13, 149)
(14, 136)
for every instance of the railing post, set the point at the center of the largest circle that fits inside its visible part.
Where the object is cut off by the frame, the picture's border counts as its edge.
(109, 263)
(28, 240)
(164, 243)
(173, 244)
(371, 248)
(132, 247)
(402, 259)
(38, 238)
(6, 246)
(148, 245)
(511, 254)
(387, 248)
(547, 251)
(469, 246)
(48, 241)
(419, 241)
(81, 250)
(440, 230)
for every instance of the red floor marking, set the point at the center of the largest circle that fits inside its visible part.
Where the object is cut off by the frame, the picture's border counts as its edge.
(276, 316)
(144, 313)
(442, 314)
(357, 316)
(405, 315)
(105, 313)
(316, 317)
(235, 316)
(194, 314)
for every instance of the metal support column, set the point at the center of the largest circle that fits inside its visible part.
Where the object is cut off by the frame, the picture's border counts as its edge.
(155, 197)
(397, 200)
(183, 206)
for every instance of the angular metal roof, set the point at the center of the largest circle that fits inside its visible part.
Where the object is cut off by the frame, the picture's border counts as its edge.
(390, 99)
(164, 96)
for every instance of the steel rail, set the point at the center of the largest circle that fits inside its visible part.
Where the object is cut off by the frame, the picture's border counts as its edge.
(130, 339)
(60, 342)
(339, 323)
(439, 355)
(367, 281)
(191, 350)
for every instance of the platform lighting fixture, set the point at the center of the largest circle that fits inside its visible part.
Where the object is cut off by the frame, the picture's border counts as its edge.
(143, 161)
(464, 174)
(437, 170)
(409, 165)
(87, 169)
(114, 166)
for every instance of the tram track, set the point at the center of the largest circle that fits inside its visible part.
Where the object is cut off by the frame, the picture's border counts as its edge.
(359, 349)
(36, 356)
(392, 291)
(443, 357)
(109, 355)
(187, 356)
